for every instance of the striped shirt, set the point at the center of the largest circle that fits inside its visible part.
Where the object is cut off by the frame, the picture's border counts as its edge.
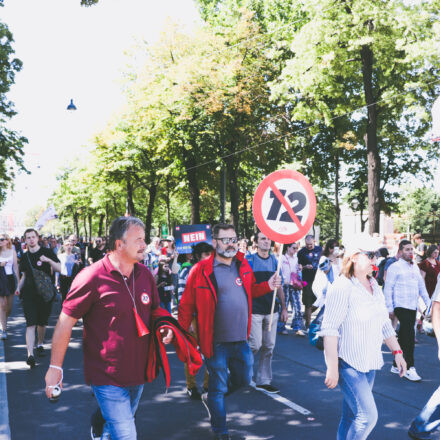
(404, 285)
(360, 320)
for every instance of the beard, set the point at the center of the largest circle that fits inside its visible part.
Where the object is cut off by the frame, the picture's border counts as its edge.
(229, 252)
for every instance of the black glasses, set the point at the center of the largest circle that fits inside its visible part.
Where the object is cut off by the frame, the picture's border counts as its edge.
(2, 239)
(227, 240)
(370, 254)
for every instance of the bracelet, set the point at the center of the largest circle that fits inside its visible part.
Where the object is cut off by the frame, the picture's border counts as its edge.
(62, 376)
(397, 352)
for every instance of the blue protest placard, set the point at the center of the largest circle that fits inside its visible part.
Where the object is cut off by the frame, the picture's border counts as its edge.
(186, 236)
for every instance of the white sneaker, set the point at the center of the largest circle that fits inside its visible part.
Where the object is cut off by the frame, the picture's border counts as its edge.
(412, 375)
(395, 370)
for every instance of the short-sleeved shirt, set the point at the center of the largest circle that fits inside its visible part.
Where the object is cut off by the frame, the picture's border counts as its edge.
(232, 309)
(34, 257)
(97, 254)
(431, 272)
(306, 257)
(263, 269)
(114, 354)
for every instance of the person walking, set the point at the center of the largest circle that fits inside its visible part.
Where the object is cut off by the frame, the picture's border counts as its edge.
(36, 310)
(112, 296)
(262, 338)
(355, 325)
(308, 257)
(292, 286)
(219, 294)
(428, 420)
(8, 259)
(403, 286)
(430, 268)
(69, 268)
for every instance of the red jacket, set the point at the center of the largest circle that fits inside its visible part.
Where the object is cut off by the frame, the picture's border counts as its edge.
(184, 343)
(200, 298)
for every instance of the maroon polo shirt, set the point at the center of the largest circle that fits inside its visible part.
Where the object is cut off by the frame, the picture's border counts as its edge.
(114, 354)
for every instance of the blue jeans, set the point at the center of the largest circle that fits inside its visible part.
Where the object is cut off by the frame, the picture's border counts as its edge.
(359, 412)
(118, 406)
(293, 297)
(429, 418)
(236, 357)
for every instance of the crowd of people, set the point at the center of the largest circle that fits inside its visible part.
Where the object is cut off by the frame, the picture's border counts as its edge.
(217, 302)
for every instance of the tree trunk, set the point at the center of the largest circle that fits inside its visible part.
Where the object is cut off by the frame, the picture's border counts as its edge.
(152, 190)
(231, 170)
(75, 223)
(100, 224)
(193, 185)
(115, 206)
(337, 207)
(129, 207)
(374, 166)
(167, 202)
(85, 227)
(90, 226)
(106, 219)
(245, 216)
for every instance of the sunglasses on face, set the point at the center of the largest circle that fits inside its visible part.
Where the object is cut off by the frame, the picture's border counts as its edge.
(227, 240)
(371, 254)
(2, 239)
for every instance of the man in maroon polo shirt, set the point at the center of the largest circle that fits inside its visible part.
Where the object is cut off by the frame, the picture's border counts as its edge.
(115, 296)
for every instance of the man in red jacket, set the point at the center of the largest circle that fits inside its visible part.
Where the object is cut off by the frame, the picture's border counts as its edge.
(219, 294)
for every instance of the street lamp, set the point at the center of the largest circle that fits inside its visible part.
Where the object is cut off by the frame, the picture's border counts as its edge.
(71, 106)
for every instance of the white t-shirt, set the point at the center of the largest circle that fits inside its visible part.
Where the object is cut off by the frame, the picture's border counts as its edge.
(8, 257)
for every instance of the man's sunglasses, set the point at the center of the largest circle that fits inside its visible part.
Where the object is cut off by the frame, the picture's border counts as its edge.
(227, 240)
(371, 254)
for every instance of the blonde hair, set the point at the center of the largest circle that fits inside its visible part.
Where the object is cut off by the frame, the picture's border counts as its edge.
(347, 267)
(9, 245)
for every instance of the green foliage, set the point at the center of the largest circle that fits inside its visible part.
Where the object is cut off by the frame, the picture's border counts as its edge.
(11, 142)
(419, 210)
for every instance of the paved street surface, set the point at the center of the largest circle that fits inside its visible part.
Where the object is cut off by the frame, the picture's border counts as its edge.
(298, 372)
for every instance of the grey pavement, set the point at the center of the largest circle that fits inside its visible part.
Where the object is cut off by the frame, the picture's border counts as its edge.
(298, 371)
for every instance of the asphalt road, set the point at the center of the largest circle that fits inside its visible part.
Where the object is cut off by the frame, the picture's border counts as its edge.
(298, 371)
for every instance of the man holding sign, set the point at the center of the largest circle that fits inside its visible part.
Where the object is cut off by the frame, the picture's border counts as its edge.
(219, 293)
(262, 338)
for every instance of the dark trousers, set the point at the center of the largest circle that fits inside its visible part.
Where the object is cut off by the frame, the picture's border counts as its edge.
(406, 334)
(65, 283)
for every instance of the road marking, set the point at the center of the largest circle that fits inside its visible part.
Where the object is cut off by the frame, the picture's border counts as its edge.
(5, 431)
(284, 401)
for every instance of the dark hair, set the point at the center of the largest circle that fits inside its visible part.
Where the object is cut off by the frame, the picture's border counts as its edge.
(287, 246)
(404, 243)
(119, 228)
(31, 230)
(432, 248)
(221, 227)
(201, 248)
(330, 244)
(384, 252)
(309, 237)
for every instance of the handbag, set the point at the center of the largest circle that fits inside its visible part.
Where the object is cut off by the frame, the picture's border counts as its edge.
(315, 328)
(43, 284)
(296, 281)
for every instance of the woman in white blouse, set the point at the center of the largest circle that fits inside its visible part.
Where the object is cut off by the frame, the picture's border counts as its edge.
(355, 325)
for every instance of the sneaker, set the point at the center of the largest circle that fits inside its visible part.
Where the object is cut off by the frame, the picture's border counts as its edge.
(268, 388)
(300, 333)
(31, 361)
(93, 434)
(40, 350)
(193, 393)
(395, 370)
(205, 404)
(412, 375)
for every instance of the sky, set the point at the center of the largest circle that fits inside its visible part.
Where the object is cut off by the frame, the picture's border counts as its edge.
(73, 52)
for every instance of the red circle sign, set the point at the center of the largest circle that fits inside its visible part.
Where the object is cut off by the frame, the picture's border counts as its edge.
(284, 206)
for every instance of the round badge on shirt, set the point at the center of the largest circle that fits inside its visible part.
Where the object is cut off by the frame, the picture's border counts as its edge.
(145, 298)
(238, 281)
(39, 263)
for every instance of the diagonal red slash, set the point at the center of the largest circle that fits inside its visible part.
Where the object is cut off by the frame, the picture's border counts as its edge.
(289, 209)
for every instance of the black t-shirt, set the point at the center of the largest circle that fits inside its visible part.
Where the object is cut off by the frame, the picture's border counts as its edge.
(306, 257)
(36, 264)
(97, 254)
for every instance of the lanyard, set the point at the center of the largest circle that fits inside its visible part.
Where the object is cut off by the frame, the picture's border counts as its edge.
(132, 295)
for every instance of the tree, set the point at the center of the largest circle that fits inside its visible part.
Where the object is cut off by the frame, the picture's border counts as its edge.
(11, 142)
